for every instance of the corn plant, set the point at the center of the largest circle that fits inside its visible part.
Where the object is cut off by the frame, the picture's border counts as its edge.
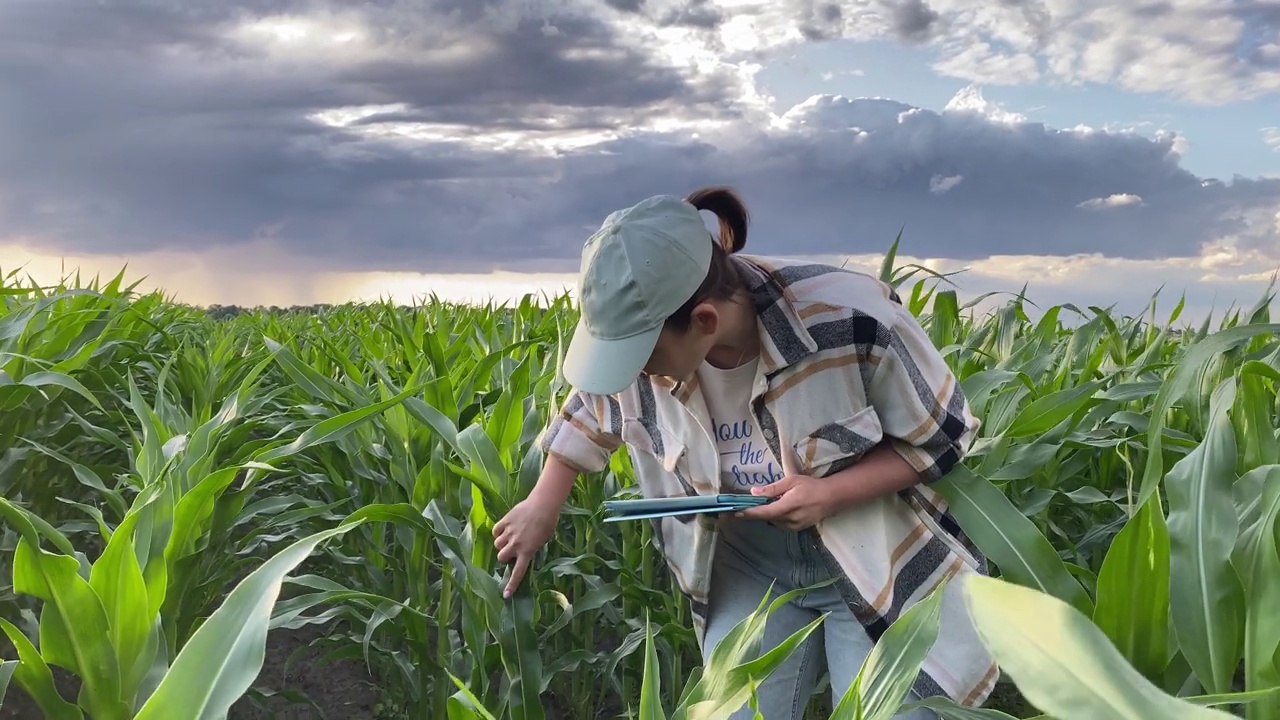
(1125, 486)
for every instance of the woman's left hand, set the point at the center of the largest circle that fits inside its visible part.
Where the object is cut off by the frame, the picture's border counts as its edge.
(802, 501)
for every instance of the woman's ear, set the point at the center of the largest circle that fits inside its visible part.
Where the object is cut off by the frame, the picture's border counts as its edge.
(706, 318)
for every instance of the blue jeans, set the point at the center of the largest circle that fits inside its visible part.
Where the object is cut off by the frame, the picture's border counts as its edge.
(749, 557)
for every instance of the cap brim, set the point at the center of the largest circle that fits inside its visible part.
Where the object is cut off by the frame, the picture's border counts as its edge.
(605, 367)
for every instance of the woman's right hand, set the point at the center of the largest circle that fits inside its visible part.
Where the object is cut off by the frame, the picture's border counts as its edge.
(522, 532)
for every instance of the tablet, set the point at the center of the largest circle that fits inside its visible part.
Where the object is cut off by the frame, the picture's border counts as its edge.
(687, 505)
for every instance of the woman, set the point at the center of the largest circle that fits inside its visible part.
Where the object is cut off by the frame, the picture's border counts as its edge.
(801, 382)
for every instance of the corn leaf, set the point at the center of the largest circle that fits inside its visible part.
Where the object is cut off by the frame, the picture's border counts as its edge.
(1133, 591)
(891, 668)
(220, 661)
(1007, 537)
(34, 676)
(1256, 558)
(1206, 596)
(1062, 662)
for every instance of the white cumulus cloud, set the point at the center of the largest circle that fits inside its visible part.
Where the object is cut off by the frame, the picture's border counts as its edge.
(1111, 201)
(1271, 135)
(939, 184)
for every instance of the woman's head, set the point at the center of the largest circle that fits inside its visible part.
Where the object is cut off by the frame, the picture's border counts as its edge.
(657, 291)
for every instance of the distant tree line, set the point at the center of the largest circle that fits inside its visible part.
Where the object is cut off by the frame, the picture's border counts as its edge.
(228, 312)
(224, 312)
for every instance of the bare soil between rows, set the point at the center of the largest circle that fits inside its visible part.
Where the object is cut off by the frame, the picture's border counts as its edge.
(340, 689)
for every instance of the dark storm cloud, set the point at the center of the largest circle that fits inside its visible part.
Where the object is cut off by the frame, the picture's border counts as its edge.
(1153, 10)
(162, 131)
(132, 125)
(694, 14)
(822, 189)
(822, 22)
(625, 5)
(914, 20)
(461, 53)
(532, 71)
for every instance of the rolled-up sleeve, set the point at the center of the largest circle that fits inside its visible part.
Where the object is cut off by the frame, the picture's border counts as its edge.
(582, 434)
(922, 409)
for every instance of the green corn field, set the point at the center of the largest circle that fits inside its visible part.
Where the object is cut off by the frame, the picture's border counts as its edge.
(184, 495)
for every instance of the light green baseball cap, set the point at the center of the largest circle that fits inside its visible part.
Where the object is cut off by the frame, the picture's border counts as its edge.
(643, 263)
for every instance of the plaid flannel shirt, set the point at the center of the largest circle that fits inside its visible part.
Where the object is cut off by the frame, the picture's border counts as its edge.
(844, 366)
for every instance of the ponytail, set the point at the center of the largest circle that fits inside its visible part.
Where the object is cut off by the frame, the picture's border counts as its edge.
(722, 280)
(729, 208)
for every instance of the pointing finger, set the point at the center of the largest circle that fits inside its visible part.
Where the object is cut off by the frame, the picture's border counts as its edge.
(517, 574)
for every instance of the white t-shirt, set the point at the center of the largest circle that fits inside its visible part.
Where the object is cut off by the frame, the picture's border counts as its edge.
(745, 458)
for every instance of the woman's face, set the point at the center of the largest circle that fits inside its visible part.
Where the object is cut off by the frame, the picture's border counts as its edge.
(679, 354)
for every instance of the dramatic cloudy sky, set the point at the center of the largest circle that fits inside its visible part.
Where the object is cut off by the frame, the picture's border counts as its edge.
(281, 151)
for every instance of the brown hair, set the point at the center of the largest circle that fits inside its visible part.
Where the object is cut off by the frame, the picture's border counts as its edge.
(722, 279)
